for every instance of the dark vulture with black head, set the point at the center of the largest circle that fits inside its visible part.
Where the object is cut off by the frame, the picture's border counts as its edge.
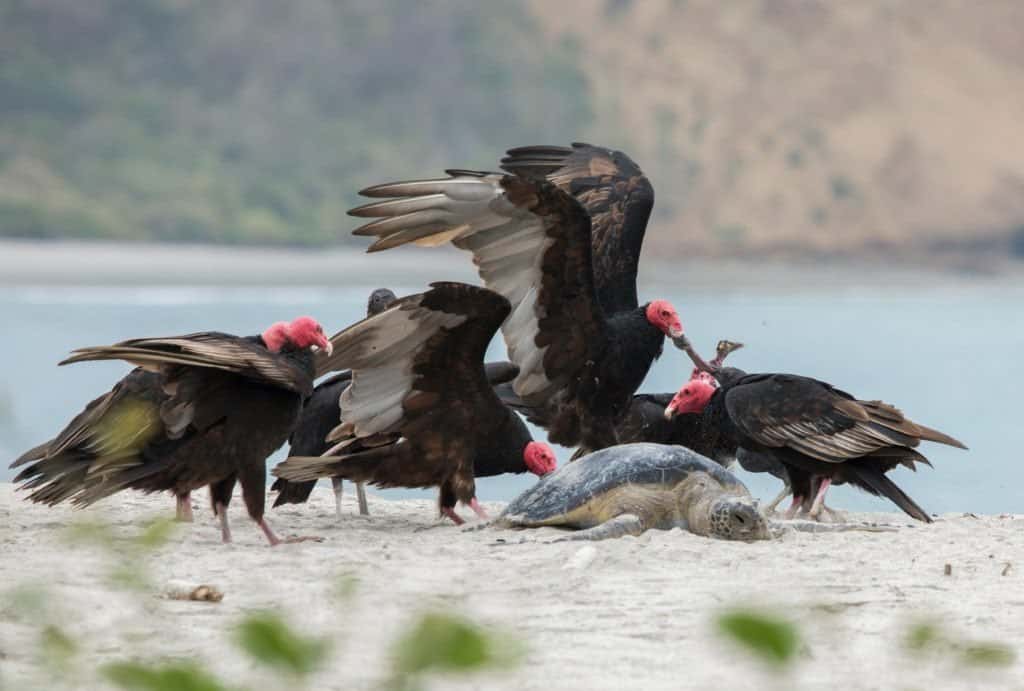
(419, 411)
(559, 237)
(201, 409)
(821, 435)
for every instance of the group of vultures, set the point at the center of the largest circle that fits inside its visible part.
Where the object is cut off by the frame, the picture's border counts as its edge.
(556, 239)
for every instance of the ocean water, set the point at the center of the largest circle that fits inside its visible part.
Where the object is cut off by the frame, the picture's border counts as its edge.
(945, 351)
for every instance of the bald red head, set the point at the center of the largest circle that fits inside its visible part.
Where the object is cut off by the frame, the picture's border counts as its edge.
(300, 333)
(275, 336)
(691, 398)
(304, 332)
(664, 317)
(540, 458)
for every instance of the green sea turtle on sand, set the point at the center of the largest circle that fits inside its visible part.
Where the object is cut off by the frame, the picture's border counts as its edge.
(627, 489)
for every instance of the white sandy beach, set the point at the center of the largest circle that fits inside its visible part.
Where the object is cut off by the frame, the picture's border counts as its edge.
(629, 613)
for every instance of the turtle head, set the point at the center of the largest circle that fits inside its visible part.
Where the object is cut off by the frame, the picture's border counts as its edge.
(736, 519)
(539, 458)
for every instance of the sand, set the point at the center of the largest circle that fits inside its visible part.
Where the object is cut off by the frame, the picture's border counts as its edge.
(622, 614)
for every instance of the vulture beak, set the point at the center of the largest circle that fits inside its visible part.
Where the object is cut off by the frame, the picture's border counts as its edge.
(327, 347)
(670, 412)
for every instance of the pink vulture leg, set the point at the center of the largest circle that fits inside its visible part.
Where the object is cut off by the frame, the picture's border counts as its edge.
(449, 511)
(225, 529)
(477, 509)
(795, 506)
(819, 500)
(274, 540)
(183, 513)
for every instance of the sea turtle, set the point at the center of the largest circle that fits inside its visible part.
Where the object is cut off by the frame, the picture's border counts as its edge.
(627, 489)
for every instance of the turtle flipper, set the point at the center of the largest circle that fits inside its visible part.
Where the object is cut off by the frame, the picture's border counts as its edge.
(624, 524)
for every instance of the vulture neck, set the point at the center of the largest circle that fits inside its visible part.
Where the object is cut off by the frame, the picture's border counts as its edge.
(638, 341)
(501, 451)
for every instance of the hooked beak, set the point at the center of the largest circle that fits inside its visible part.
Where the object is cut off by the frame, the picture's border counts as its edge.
(670, 410)
(675, 331)
(327, 348)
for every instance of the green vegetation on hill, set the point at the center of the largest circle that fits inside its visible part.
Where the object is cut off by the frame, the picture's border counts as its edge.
(257, 121)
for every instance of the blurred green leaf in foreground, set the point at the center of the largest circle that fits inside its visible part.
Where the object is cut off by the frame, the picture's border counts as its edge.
(446, 643)
(268, 639)
(927, 636)
(174, 676)
(770, 638)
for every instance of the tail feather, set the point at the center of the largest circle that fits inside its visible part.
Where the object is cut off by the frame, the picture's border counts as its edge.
(306, 468)
(935, 435)
(34, 454)
(536, 414)
(291, 492)
(875, 482)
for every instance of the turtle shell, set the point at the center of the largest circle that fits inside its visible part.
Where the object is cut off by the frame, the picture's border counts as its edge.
(576, 483)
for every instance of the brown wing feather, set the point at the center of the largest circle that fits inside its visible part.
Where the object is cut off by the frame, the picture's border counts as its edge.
(813, 418)
(242, 356)
(617, 196)
(531, 243)
(429, 386)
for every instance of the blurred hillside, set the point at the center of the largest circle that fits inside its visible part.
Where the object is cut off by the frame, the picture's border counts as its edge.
(786, 126)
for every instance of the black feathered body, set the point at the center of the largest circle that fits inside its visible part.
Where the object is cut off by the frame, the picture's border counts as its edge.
(177, 429)
(601, 395)
(815, 430)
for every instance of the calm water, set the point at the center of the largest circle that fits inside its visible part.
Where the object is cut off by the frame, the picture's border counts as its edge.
(948, 355)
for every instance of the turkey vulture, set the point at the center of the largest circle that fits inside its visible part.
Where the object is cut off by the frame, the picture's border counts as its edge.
(202, 409)
(419, 411)
(564, 252)
(817, 432)
(320, 415)
(645, 421)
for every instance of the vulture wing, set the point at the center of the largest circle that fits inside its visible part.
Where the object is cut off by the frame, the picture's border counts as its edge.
(246, 357)
(530, 242)
(815, 419)
(618, 198)
(419, 395)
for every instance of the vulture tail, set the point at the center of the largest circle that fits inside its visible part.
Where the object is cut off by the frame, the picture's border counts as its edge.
(292, 492)
(875, 482)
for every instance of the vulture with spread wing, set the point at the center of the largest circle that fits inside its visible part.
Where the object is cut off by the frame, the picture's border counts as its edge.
(202, 409)
(320, 415)
(419, 411)
(821, 435)
(559, 237)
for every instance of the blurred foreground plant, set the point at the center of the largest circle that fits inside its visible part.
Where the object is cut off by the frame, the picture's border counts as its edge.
(269, 640)
(928, 637)
(173, 676)
(446, 643)
(128, 553)
(770, 638)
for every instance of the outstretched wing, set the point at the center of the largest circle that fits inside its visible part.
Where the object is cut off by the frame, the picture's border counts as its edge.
(418, 382)
(819, 421)
(530, 242)
(246, 357)
(618, 198)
